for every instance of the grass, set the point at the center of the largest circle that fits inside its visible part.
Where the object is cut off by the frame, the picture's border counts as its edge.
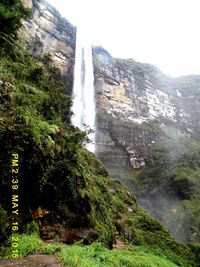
(96, 255)
(27, 244)
(30, 244)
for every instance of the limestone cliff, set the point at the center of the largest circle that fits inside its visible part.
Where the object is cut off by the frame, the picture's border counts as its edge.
(131, 94)
(48, 33)
(137, 105)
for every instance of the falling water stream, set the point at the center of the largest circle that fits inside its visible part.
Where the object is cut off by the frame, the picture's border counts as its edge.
(83, 88)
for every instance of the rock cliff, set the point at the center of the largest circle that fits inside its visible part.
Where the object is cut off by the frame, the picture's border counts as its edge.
(147, 128)
(130, 95)
(48, 33)
(138, 107)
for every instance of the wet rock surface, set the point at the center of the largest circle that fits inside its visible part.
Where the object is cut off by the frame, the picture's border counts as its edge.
(68, 235)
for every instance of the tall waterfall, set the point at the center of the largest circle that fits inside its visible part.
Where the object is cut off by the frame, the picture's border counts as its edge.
(83, 88)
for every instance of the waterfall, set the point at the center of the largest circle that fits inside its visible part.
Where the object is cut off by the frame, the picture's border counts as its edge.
(83, 88)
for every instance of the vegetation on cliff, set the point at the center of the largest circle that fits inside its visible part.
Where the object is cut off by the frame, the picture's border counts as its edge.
(169, 183)
(11, 14)
(57, 174)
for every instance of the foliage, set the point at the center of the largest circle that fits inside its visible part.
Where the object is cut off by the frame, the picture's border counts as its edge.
(195, 248)
(35, 122)
(170, 182)
(4, 223)
(31, 228)
(28, 244)
(97, 255)
(11, 14)
(176, 175)
(52, 248)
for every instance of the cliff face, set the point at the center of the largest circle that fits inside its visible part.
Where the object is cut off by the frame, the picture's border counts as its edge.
(48, 33)
(138, 107)
(147, 128)
(129, 95)
(125, 90)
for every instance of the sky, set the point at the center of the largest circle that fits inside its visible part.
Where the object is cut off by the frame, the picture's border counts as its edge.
(165, 33)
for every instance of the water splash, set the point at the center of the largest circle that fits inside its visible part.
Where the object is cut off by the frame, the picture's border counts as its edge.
(83, 88)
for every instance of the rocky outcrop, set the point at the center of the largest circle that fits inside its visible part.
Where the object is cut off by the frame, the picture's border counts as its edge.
(48, 33)
(68, 235)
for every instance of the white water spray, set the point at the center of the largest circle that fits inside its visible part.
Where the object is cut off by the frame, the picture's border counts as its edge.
(83, 88)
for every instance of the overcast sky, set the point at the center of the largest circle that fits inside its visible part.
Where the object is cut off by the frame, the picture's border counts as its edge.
(165, 33)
